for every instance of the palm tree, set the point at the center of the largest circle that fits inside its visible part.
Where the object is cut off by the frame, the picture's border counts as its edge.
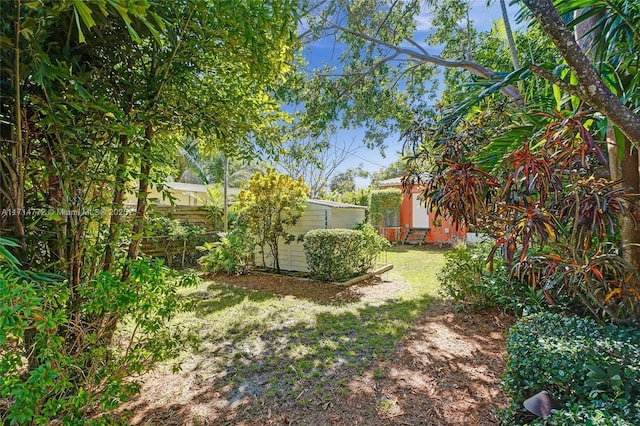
(194, 166)
(513, 50)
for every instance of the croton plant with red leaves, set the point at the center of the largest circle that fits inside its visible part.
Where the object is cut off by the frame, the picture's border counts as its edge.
(541, 189)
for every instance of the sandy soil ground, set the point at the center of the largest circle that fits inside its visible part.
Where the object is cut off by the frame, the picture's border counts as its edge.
(444, 372)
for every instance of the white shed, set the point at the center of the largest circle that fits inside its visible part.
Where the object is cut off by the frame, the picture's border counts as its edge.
(318, 214)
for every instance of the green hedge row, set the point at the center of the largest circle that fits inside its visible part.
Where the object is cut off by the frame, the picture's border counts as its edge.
(341, 254)
(592, 370)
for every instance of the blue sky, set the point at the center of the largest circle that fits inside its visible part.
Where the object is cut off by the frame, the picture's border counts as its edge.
(373, 160)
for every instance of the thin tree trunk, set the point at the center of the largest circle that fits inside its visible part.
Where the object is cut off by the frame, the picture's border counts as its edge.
(18, 149)
(629, 173)
(141, 209)
(117, 205)
(510, 40)
(108, 324)
(624, 166)
(276, 255)
(54, 201)
(75, 255)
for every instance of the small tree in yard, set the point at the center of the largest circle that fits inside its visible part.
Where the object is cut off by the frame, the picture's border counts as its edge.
(273, 204)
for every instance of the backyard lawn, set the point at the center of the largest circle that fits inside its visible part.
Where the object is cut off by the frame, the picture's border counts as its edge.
(274, 350)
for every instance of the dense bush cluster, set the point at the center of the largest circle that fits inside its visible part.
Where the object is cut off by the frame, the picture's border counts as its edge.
(341, 254)
(173, 240)
(469, 279)
(230, 255)
(593, 370)
(61, 364)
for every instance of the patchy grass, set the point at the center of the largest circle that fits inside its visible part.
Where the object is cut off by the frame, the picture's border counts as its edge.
(418, 267)
(256, 343)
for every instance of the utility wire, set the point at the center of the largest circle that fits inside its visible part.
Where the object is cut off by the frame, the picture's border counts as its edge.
(356, 155)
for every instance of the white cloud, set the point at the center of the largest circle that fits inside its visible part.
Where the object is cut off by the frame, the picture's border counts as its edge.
(423, 21)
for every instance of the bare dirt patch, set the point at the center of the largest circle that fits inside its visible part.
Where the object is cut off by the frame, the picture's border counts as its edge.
(444, 372)
(373, 288)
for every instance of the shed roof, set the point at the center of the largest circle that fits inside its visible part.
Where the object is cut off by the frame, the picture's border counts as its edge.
(397, 181)
(335, 204)
(182, 186)
(415, 179)
(194, 187)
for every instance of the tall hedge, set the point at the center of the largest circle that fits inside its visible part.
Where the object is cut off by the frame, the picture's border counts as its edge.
(385, 204)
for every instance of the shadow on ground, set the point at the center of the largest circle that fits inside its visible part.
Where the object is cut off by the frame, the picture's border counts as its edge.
(315, 291)
(345, 369)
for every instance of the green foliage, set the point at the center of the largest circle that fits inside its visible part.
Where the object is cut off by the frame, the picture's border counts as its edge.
(341, 254)
(271, 205)
(592, 370)
(206, 165)
(384, 205)
(373, 245)
(96, 96)
(214, 205)
(231, 254)
(393, 170)
(346, 181)
(468, 278)
(359, 197)
(556, 230)
(540, 179)
(174, 239)
(108, 90)
(332, 253)
(56, 365)
(463, 273)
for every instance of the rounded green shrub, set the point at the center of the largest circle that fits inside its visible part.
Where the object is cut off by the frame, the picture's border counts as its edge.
(593, 370)
(341, 254)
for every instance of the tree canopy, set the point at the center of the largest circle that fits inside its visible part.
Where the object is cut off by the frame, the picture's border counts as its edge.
(505, 143)
(96, 97)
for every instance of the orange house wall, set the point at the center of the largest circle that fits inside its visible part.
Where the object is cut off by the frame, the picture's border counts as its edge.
(435, 234)
(406, 218)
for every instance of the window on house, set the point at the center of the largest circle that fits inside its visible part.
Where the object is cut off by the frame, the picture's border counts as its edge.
(392, 218)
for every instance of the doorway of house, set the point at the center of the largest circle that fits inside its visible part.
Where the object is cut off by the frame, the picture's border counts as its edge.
(420, 213)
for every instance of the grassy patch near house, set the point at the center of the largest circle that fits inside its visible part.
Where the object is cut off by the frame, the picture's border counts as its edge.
(255, 343)
(418, 266)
